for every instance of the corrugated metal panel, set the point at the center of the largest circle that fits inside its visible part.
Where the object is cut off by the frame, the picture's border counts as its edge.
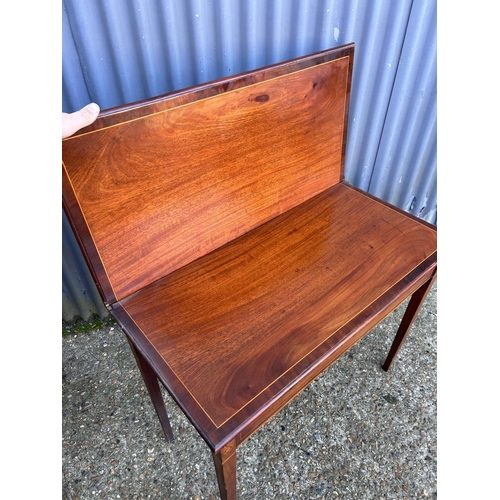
(405, 167)
(80, 297)
(117, 52)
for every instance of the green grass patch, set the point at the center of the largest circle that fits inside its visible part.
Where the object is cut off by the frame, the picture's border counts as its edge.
(81, 326)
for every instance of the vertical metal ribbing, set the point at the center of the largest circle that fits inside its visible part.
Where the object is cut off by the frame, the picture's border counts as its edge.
(116, 53)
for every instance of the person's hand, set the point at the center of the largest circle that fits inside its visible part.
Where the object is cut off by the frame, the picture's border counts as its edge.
(72, 122)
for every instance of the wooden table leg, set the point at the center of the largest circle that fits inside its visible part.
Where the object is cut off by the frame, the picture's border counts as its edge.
(225, 466)
(151, 381)
(416, 301)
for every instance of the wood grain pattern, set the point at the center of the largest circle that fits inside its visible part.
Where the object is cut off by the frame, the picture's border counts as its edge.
(231, 324)
(161, 191)
(240, 265)
(139, 109)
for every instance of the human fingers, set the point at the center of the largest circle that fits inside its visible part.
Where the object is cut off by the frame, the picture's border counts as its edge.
(72, 122)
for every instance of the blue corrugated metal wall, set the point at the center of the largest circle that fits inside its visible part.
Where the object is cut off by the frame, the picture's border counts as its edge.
(120, 51)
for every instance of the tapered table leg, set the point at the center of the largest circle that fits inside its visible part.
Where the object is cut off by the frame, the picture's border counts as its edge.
(225, 466)
(416, 301)
(151, 381)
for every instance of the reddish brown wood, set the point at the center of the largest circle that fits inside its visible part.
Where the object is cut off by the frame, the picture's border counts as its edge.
(160, 191)
(411, 313)
(139, 109)
(151, 382)
(236, 325)
(393, 207)
(302, 375)
(225, 467)
(238, 262)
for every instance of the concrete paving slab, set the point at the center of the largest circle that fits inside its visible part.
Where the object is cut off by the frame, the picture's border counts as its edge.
(356, 432)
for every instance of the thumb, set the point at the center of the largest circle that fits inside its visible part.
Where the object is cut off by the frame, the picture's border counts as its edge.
(72, 122)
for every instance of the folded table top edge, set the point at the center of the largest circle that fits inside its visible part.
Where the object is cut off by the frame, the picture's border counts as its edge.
(107, 165)
(388, 296)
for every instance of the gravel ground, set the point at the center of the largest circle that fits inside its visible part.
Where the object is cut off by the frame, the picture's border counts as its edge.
(355, 432)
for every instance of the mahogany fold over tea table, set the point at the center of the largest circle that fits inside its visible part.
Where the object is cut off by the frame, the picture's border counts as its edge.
(223, 238)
